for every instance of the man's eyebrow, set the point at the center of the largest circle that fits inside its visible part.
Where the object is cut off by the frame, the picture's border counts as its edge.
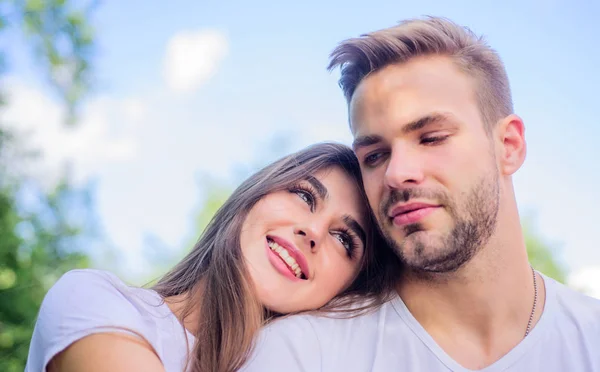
(424, 122)
(433, 118)
(355, 226)
(364, 141)
(319, 187)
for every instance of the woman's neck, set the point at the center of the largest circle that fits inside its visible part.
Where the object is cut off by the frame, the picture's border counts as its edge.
(186, 308)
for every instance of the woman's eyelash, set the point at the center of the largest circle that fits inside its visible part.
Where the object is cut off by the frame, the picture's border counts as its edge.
(352, 244)
(306, 193)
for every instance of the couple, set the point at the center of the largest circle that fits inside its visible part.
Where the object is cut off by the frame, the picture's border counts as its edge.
(403, 254)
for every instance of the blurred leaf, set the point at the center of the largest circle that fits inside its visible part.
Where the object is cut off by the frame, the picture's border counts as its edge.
(7, 278)
(76, 19)
(34, 5)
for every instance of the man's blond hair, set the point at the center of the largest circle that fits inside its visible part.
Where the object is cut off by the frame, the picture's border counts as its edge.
(359, 57)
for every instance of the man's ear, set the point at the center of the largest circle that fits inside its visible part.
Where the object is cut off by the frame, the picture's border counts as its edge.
(510, 133)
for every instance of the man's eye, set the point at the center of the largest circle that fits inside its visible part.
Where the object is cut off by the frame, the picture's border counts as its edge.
(371, 159)
(433, 140)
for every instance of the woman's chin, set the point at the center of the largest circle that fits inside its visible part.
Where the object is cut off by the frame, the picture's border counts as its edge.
(282, 306)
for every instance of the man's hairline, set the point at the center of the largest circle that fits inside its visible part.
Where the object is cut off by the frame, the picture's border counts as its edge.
(460, 67)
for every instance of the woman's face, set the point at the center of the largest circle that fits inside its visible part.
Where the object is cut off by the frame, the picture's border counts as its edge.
(303, 246)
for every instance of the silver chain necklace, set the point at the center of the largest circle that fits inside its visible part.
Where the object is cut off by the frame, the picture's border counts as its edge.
(535, 298)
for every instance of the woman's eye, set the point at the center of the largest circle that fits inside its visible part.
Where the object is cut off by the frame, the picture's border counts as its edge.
(306, 197)
(346, 242)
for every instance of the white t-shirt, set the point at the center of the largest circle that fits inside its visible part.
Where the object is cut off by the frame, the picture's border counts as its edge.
(565, 339)
(84, 302)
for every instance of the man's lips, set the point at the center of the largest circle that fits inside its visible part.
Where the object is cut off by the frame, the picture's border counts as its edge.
(406, 214)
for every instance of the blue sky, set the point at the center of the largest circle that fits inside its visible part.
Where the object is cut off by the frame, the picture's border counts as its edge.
(148, 140)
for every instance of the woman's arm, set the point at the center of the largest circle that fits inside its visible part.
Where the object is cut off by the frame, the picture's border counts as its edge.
(107, 352)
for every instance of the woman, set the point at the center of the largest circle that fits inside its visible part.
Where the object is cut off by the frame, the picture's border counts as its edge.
(293, 237)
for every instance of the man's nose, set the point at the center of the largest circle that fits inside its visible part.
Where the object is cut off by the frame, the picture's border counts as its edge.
(404, 168)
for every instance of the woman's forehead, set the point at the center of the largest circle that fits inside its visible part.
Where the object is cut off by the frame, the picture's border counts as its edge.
(343, 192)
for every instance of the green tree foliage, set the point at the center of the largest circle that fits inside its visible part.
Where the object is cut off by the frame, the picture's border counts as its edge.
(36, 247)
(39, 230)
(214, 199)
(61, 38)
(542, 256)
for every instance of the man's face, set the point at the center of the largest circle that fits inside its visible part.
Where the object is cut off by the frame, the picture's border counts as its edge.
(428, 164)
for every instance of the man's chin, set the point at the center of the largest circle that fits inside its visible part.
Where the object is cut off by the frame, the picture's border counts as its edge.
(419, 244)
(412, 234)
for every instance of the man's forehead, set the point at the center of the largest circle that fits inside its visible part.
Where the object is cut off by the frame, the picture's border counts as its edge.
(373, 110)
(383, 96)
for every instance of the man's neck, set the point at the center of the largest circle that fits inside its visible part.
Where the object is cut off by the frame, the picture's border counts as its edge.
(480, 312)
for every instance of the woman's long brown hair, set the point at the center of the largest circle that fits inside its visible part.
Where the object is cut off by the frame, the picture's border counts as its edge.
(231, 314)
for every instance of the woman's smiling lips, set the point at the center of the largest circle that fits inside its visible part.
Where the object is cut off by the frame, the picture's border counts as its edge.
(286, 258)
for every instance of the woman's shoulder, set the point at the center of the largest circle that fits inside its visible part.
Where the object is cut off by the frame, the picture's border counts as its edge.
(84, 302)
(88, 289)
(78, 278)
(95, 298)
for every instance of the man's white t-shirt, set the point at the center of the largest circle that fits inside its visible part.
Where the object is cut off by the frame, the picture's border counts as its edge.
(84, 302)
(565, 339)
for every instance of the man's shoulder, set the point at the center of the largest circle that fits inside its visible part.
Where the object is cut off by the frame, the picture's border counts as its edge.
(331, 324)
(321, 328)
(576, 306)
(290, 341)
(315, 342)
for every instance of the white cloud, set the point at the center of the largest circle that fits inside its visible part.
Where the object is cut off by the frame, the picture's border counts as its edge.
(587, 280)
(192, 57)
(134, 110)
(103, 136)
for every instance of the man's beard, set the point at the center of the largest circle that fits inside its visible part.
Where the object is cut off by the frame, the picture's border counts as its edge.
(474, 220)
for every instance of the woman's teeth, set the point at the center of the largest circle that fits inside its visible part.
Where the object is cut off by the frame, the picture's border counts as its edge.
(285, 256)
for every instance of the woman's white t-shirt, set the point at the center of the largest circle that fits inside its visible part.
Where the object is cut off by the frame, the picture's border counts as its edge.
(84, 302)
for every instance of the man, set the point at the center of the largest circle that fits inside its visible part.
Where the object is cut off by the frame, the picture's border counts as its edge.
(434, 129)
